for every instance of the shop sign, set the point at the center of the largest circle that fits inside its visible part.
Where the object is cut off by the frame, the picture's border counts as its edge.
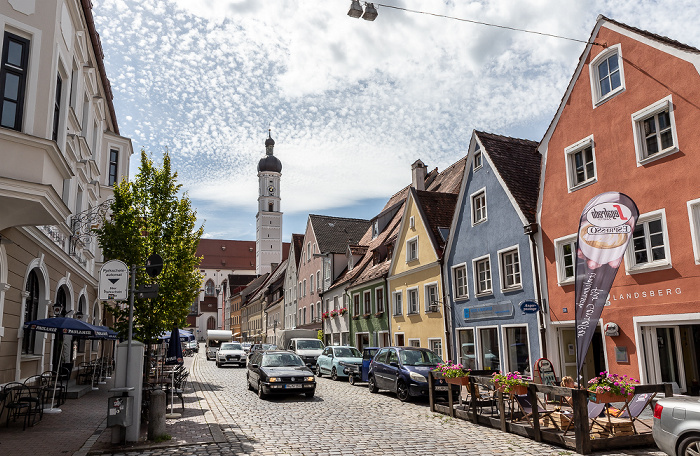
(529, 307)
(501, 309)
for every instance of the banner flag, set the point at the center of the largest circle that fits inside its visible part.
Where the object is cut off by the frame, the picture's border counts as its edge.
(607, 224)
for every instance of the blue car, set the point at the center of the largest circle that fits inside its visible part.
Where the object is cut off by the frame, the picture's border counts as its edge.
(329, 361)
(404, 371)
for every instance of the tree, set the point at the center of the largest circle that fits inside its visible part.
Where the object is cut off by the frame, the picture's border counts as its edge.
(146, 217)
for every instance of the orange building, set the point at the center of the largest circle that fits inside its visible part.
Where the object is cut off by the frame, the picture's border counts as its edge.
(628, 122)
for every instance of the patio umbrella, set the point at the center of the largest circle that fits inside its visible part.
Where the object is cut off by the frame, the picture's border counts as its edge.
(174, 355)
(184, 335)
(68, 326)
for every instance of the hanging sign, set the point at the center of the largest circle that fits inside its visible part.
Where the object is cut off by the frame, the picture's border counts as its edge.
(605, 229)
(114, 281)
(529, 307)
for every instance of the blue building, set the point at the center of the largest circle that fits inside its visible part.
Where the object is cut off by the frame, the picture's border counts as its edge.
(489, 266)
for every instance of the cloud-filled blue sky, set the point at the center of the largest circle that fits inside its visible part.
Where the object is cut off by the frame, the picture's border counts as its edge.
(351, 103)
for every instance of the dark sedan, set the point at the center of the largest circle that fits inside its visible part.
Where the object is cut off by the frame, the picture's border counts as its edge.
(279, 372)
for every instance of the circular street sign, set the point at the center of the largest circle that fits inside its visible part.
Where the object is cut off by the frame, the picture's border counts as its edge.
(154, 265)
(529, 307)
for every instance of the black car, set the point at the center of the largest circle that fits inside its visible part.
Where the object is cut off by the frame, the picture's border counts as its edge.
(279, 372)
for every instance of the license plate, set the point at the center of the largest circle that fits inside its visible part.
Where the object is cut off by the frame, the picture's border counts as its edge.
(441, 388)
(293, 386)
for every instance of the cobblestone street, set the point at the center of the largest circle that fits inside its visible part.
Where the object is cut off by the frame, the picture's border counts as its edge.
(340, 419)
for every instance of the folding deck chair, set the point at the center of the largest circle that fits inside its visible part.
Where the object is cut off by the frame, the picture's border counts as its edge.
(525, 406)
(594, 411)
(635, 407)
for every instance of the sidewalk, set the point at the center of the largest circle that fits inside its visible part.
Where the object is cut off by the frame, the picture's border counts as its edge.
(81, 428)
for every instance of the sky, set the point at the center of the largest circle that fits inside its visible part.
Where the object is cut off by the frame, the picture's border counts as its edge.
(351, 104)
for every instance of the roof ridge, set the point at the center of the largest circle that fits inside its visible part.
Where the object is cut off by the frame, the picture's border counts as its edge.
(651, 35)
(338, 218)
(496, 135)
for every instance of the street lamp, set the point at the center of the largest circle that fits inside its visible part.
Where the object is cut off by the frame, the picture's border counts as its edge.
(57, 310)
(355, 11)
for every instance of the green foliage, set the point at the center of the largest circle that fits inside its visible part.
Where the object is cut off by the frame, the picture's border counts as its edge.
(319, 334)
(147, 217)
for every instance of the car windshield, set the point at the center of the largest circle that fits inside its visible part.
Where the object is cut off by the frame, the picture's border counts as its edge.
(313, 344)
(231, 347)
(348, 352)
(281, 360)
(269, 347)
(419, 358)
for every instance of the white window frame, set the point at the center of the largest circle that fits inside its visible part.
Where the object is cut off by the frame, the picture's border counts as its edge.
(570, 154)
(304, 288)
(319, 283)
(471, 202)
(638, 118)
(694, 220)
(412, 222)
(478, 348)
(502, 272)
(411, 340)
(311, 284)
(505, 355)
(409, 242)
(559, 244)
(398, 293)
(365, 301)
(408, 301)
(478, 156)
(598, 98)
(426, 293)
(377, 292)
(630, 266)
(476, 276)
(456, 295)
(396, 334)
(357, 311)
(436, 339)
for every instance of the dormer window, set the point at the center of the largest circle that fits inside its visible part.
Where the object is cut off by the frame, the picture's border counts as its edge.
(375, 229)
(607, 75)
(477, 157)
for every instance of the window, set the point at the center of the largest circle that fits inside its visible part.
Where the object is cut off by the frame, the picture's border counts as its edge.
(412, 222)
(459, 280)
(477, 157)
(607, 75)
(565, 254)
(375, 229)
(431, 298)
(304, 289)
(435, 346)
(412, 249)
(694, 217)
(478, 207)
(113, 162)
(655, 131)
(356, 304)
(518, 349)
(318, 280)
(510, 269)
(367, 298)
(380, 299)
(210, 289)
(312, 312)
(300, 289)
(580, 163)
(412, 296)
(489, 356)
(13, 76)
(648, 250)
(482, 272)
(335, 303)
(211, 323)
(57, 108)
(398, 304)
(304, 316)
(31, 312)
(311, 283)
(467, 353)
(414, 343)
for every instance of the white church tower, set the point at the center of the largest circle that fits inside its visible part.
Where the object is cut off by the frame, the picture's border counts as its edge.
(268, 226)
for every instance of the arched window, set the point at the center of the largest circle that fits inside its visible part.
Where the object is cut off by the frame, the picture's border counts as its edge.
(210, 288)
(270, 207)
(31, 311)
(211, 323)
(80, 314)
(61, 301)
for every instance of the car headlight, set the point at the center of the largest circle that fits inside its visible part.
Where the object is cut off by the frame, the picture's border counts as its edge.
(308, 379)
(416, 377)
(274, 379)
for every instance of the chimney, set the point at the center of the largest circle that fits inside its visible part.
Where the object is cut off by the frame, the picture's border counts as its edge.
(418, 172)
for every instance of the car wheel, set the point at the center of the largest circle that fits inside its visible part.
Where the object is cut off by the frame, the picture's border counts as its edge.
(250, 387)
(318, 371)
(310, 393)
(218, 364)
(261, 394)
(334, 374)
(402, 391)
(689, 446)
(372, 385)
(351, 379)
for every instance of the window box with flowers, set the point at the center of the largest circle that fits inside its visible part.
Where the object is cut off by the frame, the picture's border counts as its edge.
(334, 313)
(366, 316)
(510, 382)
(378, 314)
(325, 315)
(343, 311)
(355, 317)
(609, 387)
(453, 373)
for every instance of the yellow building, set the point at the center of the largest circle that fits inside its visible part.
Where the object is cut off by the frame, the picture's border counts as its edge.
(415, 279)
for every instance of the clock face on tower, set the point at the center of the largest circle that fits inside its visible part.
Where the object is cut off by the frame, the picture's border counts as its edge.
(271, 189)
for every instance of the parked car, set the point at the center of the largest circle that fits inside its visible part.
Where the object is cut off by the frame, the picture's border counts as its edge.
(231, 353)
(309, 349)
(329, 361)
(676, 428)
(193, 345)
(357, 372)
(246, 346)
(405, 370)
(279, 372)
(256, 347)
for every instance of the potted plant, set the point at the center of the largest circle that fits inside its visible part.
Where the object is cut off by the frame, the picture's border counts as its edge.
(453, 373)
(334, 313)
(609, 387)
(510, 382)
(325, 315)
(343, 311)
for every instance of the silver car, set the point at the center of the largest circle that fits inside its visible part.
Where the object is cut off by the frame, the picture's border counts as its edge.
(677, 425)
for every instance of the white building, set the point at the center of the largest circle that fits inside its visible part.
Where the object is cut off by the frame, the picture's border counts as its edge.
(268, 220)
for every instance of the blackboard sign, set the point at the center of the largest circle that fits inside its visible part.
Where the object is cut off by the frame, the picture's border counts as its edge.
(544, 372)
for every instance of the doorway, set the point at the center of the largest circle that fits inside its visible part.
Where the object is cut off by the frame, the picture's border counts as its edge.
(593, 364)
(670, 355)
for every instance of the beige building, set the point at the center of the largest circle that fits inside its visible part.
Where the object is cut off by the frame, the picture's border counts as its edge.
(61, 152)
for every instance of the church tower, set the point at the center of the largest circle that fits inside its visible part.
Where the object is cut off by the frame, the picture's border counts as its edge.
(268, 221)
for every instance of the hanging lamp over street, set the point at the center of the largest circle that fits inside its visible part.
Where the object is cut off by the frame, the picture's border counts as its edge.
(370, 12)
(355, 9)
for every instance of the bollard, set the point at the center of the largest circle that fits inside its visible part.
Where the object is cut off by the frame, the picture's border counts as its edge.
(156, 415)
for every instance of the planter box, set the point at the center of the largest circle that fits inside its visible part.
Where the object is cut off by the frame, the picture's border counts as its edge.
(601, 398)
(463, 381)
(518, 390)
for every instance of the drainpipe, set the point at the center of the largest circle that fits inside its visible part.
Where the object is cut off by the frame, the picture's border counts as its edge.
(447, 313)
(388, 306)
(531, 230)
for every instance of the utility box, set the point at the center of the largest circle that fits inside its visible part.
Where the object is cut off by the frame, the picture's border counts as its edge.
(118, 411)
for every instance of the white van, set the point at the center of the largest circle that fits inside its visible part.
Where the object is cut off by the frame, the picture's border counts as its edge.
(215, 337)
(308, 349)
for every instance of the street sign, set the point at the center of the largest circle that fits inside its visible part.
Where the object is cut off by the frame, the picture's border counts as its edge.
(529, 307)
(114, 281)
(148, 290)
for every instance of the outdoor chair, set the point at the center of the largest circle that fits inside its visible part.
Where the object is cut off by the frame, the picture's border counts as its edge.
(59, 396)
(38, 386)
(85, 373)
(635, 407)
(177, 389)
(525, 407)
(594, 411)
(20, 402)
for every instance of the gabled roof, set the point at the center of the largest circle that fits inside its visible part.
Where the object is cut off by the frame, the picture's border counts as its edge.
(230, 254)
(333, 234)
(436, 209)
(270, 280)
(652, 36)
(253, 287)
(298, 242)
(518, 163)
